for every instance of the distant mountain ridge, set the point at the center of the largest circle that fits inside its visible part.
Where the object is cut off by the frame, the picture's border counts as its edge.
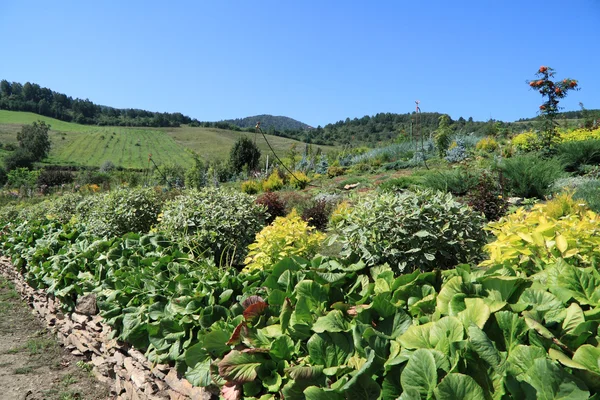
(268, 121)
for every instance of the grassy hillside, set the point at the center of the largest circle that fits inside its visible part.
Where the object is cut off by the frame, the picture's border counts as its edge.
(74, 144)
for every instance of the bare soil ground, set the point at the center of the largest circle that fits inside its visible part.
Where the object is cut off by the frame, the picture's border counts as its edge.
(32, 364)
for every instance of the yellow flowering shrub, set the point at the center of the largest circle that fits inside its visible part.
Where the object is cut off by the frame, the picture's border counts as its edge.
(487, 144)
(561, 229)
(285, 237)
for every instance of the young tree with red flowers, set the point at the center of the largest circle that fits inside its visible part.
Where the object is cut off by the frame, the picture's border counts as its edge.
(551, 91)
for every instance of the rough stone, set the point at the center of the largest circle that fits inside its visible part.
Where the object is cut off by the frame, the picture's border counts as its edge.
(79, 318)
(87, 304)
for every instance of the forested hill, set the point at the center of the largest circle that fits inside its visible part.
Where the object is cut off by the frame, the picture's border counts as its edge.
(267, 121)
(388, 126)
(31, 97)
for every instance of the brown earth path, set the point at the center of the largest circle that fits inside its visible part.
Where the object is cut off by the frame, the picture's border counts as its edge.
(32, 364)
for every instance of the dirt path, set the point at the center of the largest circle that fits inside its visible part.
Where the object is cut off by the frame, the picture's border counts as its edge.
(32, 364)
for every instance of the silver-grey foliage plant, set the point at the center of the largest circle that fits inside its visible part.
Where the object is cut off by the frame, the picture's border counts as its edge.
(409, 231)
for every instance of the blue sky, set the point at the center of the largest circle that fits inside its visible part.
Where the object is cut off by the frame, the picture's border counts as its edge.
(315, 61)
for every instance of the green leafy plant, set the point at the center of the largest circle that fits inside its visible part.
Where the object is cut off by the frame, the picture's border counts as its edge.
(410, 231)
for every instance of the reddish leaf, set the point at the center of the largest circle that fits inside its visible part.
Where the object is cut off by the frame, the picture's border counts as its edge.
(252, 300)
(237, 333)
(231, 391)
(255, 310)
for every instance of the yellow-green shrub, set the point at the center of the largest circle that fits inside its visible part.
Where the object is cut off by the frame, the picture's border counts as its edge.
(528, 141)
(542, 236)
(339, 213)
(334, 171)
(299, 180)
(251, 187)
(487, 144)
(272, 183)
(525, 141)
(579, 135)
(285, 237)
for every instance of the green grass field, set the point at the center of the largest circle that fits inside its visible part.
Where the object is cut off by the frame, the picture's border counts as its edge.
(88, 145)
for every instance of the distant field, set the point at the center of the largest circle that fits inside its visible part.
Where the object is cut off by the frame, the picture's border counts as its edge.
(88, 145)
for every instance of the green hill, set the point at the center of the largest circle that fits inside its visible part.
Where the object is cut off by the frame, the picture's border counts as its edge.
(267, 121)
(89, 145)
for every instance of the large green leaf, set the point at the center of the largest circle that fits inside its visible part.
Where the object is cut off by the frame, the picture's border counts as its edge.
(512, 326)
(199, 375)
(550, 381)
(476, 312)
(504, 286)
(583, 285)
(573, 318)
(330, 349)
(334, 321)
(282, 348)
(484, 347)
(417, 336)
(451, 287)
(445, 331)
(522, 357)
(313, 292)
(420, 373)
(364, 388)
(588, 356)
(458, 386)
(317, 393)
(240, 367)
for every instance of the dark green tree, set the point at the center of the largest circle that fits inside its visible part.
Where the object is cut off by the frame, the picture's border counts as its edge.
(34, 139)
(244, 153)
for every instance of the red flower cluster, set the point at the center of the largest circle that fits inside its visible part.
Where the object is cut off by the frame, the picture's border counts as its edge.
(543, 69)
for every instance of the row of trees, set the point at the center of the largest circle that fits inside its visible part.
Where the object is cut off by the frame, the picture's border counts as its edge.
(32, 97)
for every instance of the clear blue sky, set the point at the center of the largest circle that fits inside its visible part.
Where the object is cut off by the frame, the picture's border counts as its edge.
(316, 61)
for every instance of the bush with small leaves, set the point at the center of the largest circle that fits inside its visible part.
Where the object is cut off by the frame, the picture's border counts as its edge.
(273, 183)
(487, 197)
(285, 237)
(215, 222)
(317, 214)
(274, 205)
(251, 187)
(121, 211)
(423, 230)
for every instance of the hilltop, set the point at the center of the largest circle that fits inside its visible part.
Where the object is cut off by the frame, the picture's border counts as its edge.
(267, 121)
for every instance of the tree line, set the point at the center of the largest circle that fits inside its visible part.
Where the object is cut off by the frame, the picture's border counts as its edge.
(31, 97)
